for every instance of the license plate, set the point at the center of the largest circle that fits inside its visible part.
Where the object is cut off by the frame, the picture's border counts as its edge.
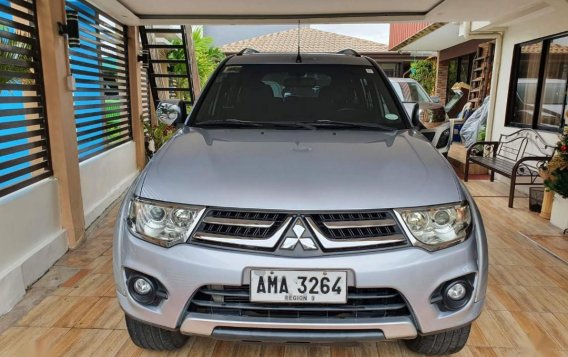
(296, 286)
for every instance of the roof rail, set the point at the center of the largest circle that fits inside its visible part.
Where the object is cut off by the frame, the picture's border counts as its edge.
(247, 51)
(349, 52)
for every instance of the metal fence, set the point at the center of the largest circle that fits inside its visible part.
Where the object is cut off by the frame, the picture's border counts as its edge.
(24, 147)
(145, 90)
(100, 68)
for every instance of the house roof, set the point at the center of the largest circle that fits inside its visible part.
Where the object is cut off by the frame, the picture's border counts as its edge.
(426, 30)
(555, 48)
(311, 40)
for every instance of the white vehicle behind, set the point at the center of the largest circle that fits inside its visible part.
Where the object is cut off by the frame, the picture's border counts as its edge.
(435, 123)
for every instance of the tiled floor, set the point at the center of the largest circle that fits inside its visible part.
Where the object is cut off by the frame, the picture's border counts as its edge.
(72, 309)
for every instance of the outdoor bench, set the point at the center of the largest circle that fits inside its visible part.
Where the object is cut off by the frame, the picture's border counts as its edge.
(519, 154)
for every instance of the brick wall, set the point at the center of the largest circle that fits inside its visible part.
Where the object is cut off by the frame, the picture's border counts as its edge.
(442, 80)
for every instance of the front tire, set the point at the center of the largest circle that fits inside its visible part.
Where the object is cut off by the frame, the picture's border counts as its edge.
(443, 343)
(153, 338)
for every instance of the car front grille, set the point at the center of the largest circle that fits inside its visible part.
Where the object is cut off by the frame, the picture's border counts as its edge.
(356, 225)
(249, 224)
(362, 303)
(264, 230)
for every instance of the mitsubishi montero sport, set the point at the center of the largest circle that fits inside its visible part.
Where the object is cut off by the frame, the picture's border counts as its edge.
(299, 203)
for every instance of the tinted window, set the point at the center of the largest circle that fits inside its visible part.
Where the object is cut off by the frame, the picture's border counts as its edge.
(300, 93)
(527, 79)
(411, 92)
(539, 98)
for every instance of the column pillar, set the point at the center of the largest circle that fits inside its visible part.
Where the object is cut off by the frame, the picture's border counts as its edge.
(135, 84)
(60, 116)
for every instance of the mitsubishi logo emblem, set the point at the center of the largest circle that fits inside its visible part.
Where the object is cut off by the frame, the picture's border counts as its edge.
(298, 234)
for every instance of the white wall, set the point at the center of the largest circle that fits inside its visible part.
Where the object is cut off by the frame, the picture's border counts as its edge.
(104, 178)
(31, 238)
(549, 23)
(543, 24)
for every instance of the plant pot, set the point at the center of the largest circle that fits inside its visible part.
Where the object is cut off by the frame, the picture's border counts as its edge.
(559, 216)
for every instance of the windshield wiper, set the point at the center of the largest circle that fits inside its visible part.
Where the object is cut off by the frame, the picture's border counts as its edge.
(289, 124)
(238, 122)
(227, 122)
(292, 124)
(326, 122)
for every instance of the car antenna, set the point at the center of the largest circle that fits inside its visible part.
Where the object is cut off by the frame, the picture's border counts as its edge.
(299, 57)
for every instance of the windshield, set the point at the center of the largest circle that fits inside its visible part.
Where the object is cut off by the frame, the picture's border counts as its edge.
(411, 92)
(299, 93)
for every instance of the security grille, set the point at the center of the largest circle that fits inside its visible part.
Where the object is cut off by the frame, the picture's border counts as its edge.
(362, 303)
(24, 154)
(145, 89)
(169, 64)
(100, 68)
(247, 224)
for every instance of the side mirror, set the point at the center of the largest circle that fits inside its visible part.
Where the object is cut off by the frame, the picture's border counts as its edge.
(172, 111)
(415, 117)
(435, 98)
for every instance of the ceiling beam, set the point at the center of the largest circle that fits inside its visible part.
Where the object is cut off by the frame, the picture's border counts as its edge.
(122, 12)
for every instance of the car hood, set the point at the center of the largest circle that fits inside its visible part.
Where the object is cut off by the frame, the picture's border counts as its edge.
(299, 170)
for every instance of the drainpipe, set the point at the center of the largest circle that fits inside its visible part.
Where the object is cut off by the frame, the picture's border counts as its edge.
(498, 37)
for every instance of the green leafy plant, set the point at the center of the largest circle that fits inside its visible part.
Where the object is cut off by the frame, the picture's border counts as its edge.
(558, 182)
(156, 135)
(207, 58)
(207, 55)
(11, 65)
(555, 172)
(424, 72)
(481, 133)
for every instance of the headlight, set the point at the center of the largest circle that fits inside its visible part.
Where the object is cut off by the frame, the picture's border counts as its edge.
(161, 223)
(436, 227)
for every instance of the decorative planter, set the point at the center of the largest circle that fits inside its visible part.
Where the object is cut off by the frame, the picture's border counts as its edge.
(547, 201)
(559, 216)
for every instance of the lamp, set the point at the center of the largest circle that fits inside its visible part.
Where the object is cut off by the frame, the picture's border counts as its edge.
(71, 28)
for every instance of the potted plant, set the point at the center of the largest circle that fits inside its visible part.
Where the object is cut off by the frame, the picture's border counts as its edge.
(156, 135)
(556, 173)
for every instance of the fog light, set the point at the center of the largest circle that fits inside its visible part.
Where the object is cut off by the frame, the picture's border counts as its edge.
(143, 289)
(456, 294)
(142, 286)
(456, 291)
(453, 294)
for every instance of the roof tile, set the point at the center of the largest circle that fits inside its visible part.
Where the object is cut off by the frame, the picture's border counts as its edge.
(311, 40)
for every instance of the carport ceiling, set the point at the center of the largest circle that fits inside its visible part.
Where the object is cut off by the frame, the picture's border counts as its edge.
(310, 11)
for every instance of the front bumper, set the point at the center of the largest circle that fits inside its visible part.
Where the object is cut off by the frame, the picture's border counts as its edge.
(184, 268)
(220, 326)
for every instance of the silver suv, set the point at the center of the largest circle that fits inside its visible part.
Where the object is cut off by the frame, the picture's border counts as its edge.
(297, 203)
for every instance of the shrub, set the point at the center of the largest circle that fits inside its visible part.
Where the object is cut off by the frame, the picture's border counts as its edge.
(424, 72)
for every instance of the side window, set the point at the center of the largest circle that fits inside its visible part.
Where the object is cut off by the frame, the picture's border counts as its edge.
(398, 90)
(538, 92)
